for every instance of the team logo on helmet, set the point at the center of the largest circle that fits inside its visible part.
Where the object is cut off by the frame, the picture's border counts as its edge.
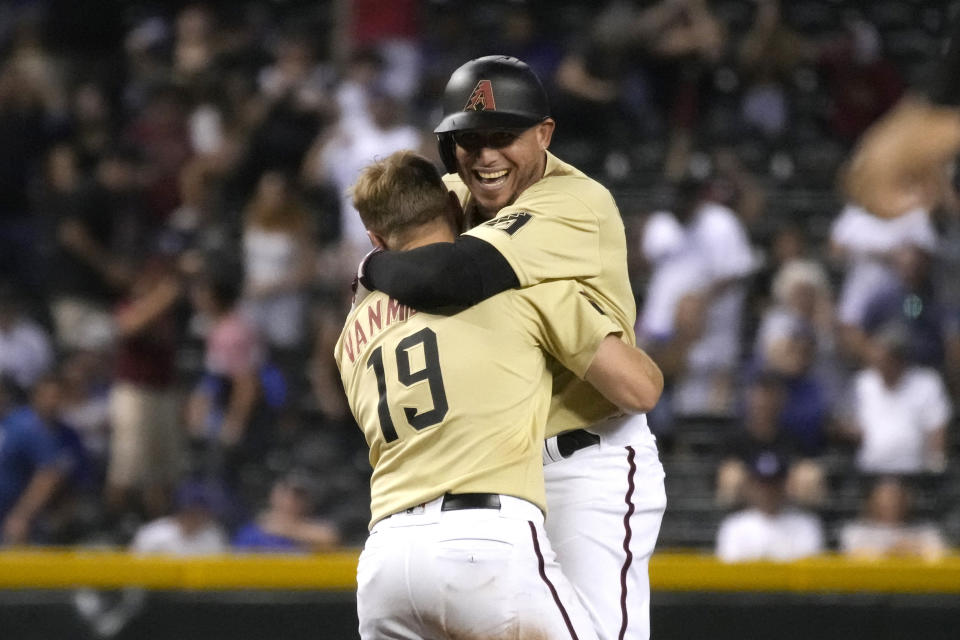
(482, 98)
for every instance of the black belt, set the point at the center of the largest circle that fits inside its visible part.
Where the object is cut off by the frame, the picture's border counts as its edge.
(457, 501)
(571, 441)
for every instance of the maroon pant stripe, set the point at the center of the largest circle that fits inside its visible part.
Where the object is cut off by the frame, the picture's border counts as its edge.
(627, 535)
(553, 589)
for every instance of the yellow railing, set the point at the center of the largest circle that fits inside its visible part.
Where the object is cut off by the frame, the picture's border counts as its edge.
(58, 569)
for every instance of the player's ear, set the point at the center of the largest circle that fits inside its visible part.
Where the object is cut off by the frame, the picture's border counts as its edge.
(376, 240)
(545, 132)
(455, 213)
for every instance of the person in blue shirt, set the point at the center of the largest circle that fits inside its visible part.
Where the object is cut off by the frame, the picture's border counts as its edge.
(287, 525)
(31, 470)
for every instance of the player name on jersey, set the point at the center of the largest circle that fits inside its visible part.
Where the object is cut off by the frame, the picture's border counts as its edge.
(379, 314)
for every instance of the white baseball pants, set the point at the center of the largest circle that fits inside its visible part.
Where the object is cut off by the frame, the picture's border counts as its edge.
(427, 574)
(605, 504)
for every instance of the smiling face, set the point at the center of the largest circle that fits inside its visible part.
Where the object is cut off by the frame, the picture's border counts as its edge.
(497, 165)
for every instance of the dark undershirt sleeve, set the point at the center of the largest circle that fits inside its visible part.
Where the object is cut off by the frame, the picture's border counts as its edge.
(443, 274)
(944, 88)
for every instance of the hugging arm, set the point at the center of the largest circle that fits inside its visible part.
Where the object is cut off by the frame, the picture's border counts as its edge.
(442, 274)
(625, 375)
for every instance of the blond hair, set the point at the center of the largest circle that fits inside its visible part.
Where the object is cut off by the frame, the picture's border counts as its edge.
(401, 191)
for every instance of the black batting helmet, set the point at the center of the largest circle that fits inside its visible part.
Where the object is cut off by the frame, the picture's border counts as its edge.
(486, 93)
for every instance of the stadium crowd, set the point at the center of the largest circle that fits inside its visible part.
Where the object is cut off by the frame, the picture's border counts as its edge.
(177, 247)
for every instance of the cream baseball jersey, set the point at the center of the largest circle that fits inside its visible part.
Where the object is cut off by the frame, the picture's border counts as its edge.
(565, 226)
(457, 403)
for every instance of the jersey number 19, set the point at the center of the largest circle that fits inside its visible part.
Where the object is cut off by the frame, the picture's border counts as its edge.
(430, 372)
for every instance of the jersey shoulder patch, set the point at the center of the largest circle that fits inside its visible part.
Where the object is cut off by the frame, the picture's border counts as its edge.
(509, 223)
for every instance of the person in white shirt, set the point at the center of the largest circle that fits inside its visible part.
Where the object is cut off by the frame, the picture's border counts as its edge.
(339, 155)
(900, 410)
(674, 272)
(886, 529)
(719, 240)
(279, 262)
(693, 311)
(25, 348)
(192, 530)
(864, 244)
(769, 529)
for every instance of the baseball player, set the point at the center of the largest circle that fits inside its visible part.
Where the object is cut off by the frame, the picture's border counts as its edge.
(453, 408)
(536, 219)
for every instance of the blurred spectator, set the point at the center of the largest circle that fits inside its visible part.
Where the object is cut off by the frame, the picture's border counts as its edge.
(146, 48)
(864, 244)
(279, 263)
(25, 349)
(57, 197)
(735, 186)
(39, 456)
(672, 275)
(762, 431)
(26, 127)
(703, 353)
(861, 83)
(295, 103)
(295, 73)
(223, 411)
(787, 242)
(670, 319)
(768, 55)
(95, 240)
(601, 85)
(802, 301)
(914, 301)
(769, 529)
(85, 405)
(70, 512)
(195, 45)
(676, 269)
(191, 530)
(198, 226)
(394, 31)
(92, 124)
(802, 305)
(364, 71)
(903, 161)
(339, 155)
(287, 524)
(795, 340)
(160, 134)
(144, 405)
(900, 410)
(808, 410)
(885, 529)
